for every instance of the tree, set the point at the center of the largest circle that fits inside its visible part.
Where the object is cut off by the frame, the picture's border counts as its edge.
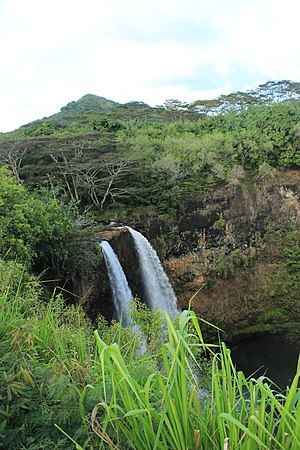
(90, 179)
(68, 170)
(34, 228)
(265, 171)
(13, 155)
(177, 110)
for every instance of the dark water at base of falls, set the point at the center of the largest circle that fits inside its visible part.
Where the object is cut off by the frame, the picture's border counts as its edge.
(269, 356)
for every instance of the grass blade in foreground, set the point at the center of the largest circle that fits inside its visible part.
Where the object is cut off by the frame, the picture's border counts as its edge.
(166, 411)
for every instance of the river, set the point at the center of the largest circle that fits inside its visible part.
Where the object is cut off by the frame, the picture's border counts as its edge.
(267, 355)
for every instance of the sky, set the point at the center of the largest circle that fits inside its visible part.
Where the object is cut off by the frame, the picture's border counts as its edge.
(54, 52)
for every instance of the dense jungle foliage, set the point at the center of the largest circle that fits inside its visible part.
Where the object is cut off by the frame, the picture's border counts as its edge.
(68, 383)
(104, 155)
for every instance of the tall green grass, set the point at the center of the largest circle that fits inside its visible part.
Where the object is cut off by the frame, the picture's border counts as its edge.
(102, 391)
(46, 358)
(170, 410)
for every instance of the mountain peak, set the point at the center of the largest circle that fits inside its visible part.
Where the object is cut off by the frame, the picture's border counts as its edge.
(88, 103)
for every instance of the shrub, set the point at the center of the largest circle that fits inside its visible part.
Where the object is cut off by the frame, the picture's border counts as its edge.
(45, 359)
(226, 262)
(34, 229)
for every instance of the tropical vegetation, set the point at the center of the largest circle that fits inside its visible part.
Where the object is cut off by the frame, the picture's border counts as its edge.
(69, 382)
(104, 155)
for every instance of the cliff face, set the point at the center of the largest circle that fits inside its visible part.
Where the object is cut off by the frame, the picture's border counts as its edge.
(121, 241)
(90, 284)
(233, 217)
(225, 252)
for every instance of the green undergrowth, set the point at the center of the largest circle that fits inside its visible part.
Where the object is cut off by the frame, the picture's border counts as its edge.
(256, 291)
(45, 353)
(66, 383)
(170, 409)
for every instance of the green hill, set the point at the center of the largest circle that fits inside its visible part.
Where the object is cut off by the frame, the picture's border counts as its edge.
(86, 104)
(104, 154)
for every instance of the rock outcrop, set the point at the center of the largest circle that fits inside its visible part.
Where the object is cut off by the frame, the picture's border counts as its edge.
(229, 227)
(215, 253)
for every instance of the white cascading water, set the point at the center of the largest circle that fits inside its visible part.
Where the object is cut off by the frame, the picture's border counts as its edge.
(158, 290)
(121, 292)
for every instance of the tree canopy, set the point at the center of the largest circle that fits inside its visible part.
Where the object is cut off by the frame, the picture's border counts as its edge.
(134, 155)
(34, 228)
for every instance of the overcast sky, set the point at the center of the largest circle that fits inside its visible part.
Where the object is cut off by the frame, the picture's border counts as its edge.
(53, 52)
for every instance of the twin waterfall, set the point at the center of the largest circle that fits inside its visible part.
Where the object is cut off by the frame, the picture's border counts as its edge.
(158, 290)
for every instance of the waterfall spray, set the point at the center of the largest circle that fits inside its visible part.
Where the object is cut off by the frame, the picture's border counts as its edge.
(121, 292)
(158, 289)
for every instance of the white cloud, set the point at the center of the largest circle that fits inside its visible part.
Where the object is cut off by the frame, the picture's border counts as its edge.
(148, 50)
(264, 39)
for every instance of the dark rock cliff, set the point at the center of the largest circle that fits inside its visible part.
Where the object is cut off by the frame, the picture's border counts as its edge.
(90, 283)
(232, 217)
(215, 251)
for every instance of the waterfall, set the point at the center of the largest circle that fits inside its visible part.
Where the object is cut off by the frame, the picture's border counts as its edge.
(158, 290)
(121, 292)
